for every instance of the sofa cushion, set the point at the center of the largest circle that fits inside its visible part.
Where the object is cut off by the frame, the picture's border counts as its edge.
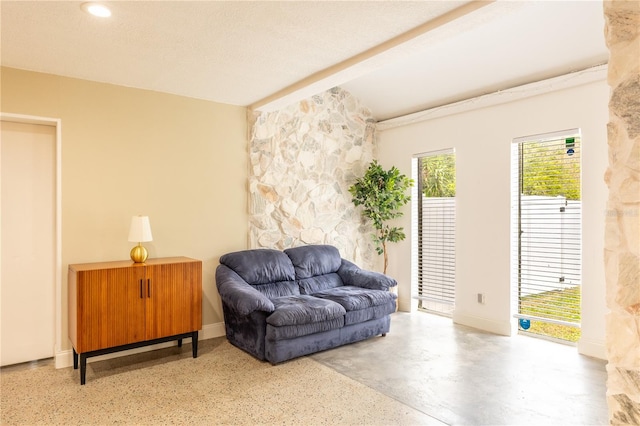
(356, 298)
(314, 260)
(274, 333)
(303, 309)
(318, 283)
(372, 313)
(279, 289)
(260, 266)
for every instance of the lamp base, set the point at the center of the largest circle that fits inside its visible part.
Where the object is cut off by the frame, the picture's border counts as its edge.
(139, 254)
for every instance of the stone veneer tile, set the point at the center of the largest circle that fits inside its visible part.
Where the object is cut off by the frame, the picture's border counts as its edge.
(622, 241)
(303, 160)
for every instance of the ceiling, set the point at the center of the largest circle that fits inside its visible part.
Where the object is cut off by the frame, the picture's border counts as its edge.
(397, 57)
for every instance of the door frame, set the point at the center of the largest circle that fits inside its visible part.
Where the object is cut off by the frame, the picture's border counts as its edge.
(57, 123)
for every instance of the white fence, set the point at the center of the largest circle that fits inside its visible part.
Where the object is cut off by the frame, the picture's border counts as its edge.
(436, 282)
(551, 241)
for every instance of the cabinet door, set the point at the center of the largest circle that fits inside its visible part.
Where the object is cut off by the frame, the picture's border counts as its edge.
(111, 308)
(174, 299)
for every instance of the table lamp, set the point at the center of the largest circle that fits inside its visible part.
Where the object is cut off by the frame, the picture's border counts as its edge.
(139, 232)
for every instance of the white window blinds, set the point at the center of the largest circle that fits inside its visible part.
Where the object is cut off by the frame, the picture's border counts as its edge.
(546, 227)
(436, 231)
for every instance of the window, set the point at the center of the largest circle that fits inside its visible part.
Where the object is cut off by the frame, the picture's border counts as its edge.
(546, 234)
(435, 211)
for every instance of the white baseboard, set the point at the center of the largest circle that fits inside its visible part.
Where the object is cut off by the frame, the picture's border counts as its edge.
(592, 348)
(588, 347)
(64, 359)
(406, 305)
(211, 331)
(503, 328)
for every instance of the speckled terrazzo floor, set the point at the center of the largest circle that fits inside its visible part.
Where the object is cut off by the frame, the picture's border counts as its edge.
(222, 386)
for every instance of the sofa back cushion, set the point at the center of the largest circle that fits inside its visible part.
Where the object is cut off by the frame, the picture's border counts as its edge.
(315, 267)
(313, 260)
(269, 271)
(319, 283)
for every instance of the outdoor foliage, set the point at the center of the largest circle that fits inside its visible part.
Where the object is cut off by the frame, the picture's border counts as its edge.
(548, 170)
(382, 193)
(568, 300)
(439, 175)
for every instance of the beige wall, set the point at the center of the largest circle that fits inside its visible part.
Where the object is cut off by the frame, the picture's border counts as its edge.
(181, 161)
(482, 139)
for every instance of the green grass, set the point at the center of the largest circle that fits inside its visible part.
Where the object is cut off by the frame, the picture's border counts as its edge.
(557, 304)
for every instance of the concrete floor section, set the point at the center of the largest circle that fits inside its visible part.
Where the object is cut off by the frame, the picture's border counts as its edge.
(463, 376)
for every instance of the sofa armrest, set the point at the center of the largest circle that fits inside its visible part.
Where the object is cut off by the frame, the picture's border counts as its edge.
(352, 274)
(238, 295)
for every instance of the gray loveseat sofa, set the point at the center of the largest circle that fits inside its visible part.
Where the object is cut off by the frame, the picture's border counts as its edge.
(280, 305)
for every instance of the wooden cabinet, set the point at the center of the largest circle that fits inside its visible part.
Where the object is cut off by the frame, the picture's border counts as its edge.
(122, 305)
(173, 304)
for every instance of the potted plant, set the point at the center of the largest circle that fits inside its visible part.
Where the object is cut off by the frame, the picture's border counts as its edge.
(382, 193)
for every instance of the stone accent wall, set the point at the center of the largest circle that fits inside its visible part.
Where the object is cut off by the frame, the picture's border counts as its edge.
(622, 239)
(303, 160)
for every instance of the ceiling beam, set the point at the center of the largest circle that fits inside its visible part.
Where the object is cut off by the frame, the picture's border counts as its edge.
(413, 33)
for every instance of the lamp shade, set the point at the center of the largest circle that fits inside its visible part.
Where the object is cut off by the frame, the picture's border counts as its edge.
(140, 230)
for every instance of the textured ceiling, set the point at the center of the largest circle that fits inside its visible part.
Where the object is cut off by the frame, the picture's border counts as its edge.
(515, 44)
(242, 52)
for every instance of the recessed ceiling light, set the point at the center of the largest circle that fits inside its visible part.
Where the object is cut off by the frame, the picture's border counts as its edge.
(96, 9)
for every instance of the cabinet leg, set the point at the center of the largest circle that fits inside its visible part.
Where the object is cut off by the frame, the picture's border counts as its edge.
(75, 359)
(179, 343)
(83, 368)
(194, 343)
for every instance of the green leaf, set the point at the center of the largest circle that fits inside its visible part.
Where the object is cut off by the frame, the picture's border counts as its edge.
(382, 194)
